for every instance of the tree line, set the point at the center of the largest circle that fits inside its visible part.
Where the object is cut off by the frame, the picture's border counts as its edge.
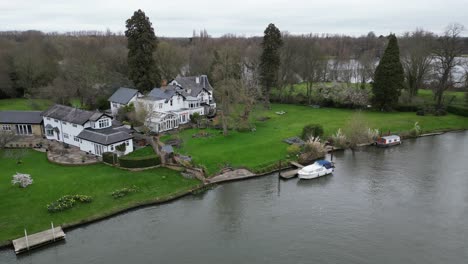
(89, 66)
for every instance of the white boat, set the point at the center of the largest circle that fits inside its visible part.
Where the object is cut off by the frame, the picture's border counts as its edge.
(388, 141)
(319, 168)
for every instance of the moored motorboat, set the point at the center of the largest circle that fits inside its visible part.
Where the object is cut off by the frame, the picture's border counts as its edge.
(388, 141)
(318, 169)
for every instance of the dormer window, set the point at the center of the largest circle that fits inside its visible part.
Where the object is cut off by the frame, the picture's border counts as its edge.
(171, 102)
(103, 123)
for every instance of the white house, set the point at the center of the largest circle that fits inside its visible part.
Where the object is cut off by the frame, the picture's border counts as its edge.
(172, 105)
(123, 96)
(90, 131)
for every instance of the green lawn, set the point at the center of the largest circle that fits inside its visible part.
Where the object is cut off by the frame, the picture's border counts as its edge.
(451, 97)
(265, 147)
(143, 152)
(26, 208)
(24, 104)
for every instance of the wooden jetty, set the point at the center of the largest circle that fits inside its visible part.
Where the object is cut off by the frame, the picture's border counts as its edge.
(27, 243)
(291, 173)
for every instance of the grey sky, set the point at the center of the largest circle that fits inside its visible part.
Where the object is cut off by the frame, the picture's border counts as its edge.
(176, 18)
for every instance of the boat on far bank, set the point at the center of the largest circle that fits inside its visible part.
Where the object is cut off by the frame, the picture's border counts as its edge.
(388, 141)
(317, 169)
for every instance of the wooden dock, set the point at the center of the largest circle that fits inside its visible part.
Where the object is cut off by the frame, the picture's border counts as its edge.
(29, 242)
(291, 173)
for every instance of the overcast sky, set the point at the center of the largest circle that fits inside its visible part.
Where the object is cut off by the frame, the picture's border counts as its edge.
(178, 18)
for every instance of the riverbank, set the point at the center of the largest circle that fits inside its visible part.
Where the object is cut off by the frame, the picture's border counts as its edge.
(236, 175)
(264, 146)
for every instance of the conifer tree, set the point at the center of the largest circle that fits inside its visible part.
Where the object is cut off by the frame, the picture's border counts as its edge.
(270, 60)
(142, 42)
(389, 78)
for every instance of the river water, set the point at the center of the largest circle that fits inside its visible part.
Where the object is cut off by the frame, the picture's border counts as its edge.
(406, 204)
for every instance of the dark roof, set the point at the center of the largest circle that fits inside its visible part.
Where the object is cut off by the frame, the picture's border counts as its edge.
(165, 93)
(71, 114)
(105, 136)
(123, 95)
(190, 82)
(20, 117)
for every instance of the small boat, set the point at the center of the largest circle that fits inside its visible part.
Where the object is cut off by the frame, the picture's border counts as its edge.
(388, 141)
(319, 168)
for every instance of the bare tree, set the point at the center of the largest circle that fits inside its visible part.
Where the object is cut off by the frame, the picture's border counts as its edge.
(6, 137)
(448, 48)
(312, 66)
(416, 57)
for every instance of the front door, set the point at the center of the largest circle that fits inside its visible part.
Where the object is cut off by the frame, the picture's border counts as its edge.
(98, 149)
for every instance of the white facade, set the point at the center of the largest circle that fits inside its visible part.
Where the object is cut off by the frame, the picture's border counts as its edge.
(116, 106)
(98, 149)
(68, 133)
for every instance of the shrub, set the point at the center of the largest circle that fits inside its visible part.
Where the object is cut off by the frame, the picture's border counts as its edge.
(312, 131)
(294, 149)
(313, 149)
(123, 192)
(339, 139)
(110, 157)
(67, 202)
(415, 131)
(24, 180)
(194, 118)
(139, 162)
(457, 110)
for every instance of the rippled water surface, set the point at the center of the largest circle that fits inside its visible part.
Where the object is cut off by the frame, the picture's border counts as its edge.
(406, 204)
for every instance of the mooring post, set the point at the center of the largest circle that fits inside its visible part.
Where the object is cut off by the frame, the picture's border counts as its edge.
(26, 236)
(279, 178)
(53, 230)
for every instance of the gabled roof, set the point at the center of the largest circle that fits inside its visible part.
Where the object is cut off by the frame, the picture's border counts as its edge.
(71, 114)
(105, 136)
(165, 93)
(20, 117)
(190, 82)
(123, 95)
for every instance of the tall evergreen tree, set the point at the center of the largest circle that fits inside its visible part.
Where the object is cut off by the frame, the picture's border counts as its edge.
(270, 60)
(142, 42)
(389, 77)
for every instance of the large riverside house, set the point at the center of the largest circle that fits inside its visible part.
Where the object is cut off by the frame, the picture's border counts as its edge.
(23, 123)
(123, 96)
(91, 131)
(173, 104)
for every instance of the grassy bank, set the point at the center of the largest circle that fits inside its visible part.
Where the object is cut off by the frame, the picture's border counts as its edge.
(264, 147)
(26, 208)
(24, 104)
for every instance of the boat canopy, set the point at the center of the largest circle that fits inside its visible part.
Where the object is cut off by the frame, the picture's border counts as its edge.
(327, 164)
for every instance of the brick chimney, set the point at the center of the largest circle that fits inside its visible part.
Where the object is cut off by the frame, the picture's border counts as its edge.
(163, 83)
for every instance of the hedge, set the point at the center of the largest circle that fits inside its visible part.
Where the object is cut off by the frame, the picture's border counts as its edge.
(139, 162)
(109, 157)
(457, 110)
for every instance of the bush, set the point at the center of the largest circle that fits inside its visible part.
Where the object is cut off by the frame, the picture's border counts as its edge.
(24, 180)
(110, 157)
(313, 150)
(458, 110)
(339, 139)
(293, 149)
(194, 118)
(139, 162)
(416, 130)
(312, 131)
(123, 192)
(67, 202)
(407, 108)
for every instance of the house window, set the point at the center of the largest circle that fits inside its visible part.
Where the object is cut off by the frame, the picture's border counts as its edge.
(48, 118)
(112, 147)
(49, 132)
(74, 125)
(23, 129)
(171, 102)
(160, 106)
(55, 120)
(76, 139)
(103, 123)
(6, 127)
(127, 143)
(115, 105)
(65, 135)
(64, 123)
